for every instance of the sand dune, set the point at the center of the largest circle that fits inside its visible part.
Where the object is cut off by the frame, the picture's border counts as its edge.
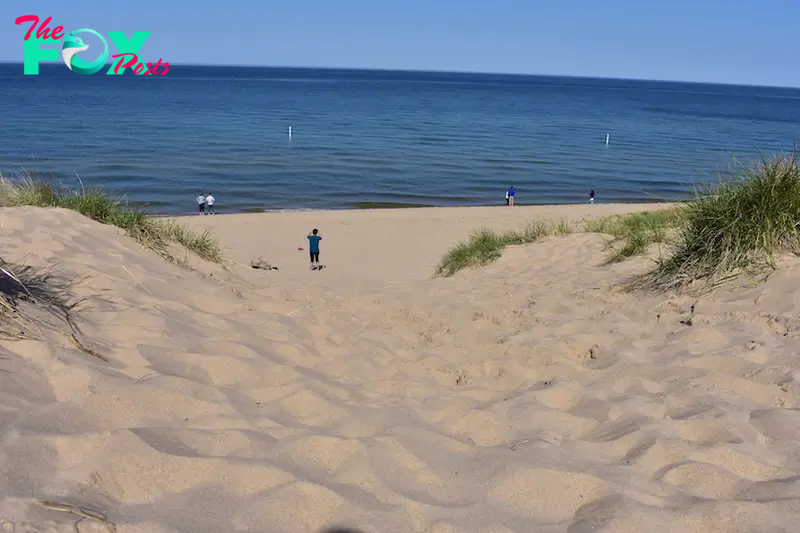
(528, 395)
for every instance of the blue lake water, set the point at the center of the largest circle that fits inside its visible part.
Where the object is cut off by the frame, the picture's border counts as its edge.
(380, 139)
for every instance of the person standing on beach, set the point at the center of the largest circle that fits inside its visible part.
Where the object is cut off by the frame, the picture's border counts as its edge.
(591, 196)
(313, 248)
(201, 204)
(210, 203)
(510, 195)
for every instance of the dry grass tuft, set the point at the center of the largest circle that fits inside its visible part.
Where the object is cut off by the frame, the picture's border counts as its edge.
(33, 301)
(82, 512)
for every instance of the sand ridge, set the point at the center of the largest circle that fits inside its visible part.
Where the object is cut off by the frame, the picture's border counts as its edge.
(528, 395)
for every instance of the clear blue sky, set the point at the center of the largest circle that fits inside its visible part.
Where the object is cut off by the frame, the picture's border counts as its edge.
(729, 41)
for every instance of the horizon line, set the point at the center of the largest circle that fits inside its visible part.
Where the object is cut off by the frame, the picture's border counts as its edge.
(468, 72)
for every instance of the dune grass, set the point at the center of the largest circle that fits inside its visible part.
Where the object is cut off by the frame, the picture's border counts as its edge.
(156, 234)
(633, 233)
(34, 301)
(34, 286)
(485, 246)
(741, 225)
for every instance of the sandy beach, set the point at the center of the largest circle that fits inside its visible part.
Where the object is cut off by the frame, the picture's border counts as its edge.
(530, 395)
(376, 246)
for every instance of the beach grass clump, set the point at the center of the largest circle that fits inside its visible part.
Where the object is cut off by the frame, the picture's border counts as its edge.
(485, 246)
(33, 301)
(35, 287)
(203, 244)
(741, 225)
(153, 233)
(634, 233)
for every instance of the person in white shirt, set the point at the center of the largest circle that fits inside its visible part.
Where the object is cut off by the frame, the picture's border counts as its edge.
(201, 204)
(210, 203)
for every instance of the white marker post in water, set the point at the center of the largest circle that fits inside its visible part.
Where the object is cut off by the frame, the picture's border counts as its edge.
(290, 132)
(607, 136)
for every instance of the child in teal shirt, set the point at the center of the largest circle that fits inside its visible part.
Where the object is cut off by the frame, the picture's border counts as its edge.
(313, 248)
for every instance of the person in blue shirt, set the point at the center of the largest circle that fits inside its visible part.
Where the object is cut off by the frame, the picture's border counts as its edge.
(510, 194)
(313, 248)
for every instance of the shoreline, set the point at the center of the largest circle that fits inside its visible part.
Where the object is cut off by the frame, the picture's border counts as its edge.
(404, 208)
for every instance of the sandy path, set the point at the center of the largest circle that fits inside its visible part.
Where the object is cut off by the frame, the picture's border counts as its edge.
(529, 395)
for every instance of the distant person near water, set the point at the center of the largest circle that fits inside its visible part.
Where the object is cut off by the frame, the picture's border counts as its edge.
(201, 204)
(591, 196)
(210, 203)
(313, 248)
(510, 195)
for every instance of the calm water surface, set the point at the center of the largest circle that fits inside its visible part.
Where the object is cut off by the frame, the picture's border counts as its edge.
(375, 139)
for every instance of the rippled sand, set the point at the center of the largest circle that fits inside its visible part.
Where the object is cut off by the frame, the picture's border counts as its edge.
(529, 395)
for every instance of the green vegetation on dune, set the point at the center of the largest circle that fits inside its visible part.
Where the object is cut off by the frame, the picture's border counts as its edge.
(155, 234)
(742, 225)
(485, 246)
(634, 232)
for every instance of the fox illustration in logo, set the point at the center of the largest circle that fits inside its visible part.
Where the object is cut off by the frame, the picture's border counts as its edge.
(73, 45)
